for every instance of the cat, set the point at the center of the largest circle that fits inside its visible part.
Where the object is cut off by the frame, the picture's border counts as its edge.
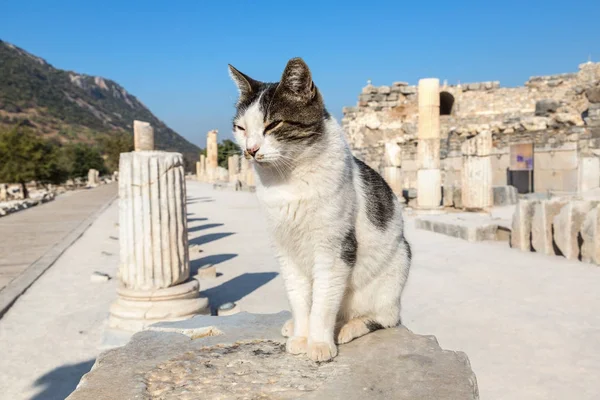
(336, 224)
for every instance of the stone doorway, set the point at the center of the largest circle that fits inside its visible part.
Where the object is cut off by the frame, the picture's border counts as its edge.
(446, 103)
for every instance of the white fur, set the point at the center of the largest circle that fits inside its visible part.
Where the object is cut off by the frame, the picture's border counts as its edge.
(311, 202)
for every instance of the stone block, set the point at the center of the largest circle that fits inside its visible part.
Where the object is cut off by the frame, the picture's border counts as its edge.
(406, 90)
(448, 196)
(505, 195)
(589, 174)
(593, 94)
(429, 188)
(520, 237)
(542, 225)
(383, 90)
(558, 181)
(567, 227)
(546, 106)
(243, 356)
(590, 234)
(555, 160)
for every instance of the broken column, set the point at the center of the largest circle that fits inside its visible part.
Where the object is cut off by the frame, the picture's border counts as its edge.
(202, 172)
(476, 190)
(590, 234)
(212, 155)
(392, 172)
(542, 225)
(93, 178)
(154, 264)
(233, 166)
(520, 236)
(143, 136)
(567, 227)
(429, 177)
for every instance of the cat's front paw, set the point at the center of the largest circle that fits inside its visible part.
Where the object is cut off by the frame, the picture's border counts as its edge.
(296, 345)
(321, 351)
(288, 328)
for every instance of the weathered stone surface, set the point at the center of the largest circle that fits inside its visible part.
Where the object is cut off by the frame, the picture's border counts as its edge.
(589, 174)
(243, 356)
(593, 94)
(590, 234)
(505, 195)
(546, 106)
(143, 136)
(429, 179)
(477, 174)
(567, 226)
(154, 262)
(212, 156)
(520, 237)
(542, 225)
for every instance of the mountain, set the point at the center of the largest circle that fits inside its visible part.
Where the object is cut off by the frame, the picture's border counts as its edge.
(72, 107)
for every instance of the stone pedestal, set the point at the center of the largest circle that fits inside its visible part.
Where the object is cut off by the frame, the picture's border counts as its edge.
(520, 237)
(542, 225)
(143, 136)
(154, 268)
(93, 179)
(477, 192)
(589, 174)
(429, 178)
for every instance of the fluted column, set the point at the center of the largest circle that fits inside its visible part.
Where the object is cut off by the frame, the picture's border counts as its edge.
(154, 269)
(477, 191)
(429, 177)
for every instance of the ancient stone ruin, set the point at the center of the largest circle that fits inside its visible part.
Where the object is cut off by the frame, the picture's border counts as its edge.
(154, 269)
(560, 226)
(238, 175)
(545, 136)
(243, 357)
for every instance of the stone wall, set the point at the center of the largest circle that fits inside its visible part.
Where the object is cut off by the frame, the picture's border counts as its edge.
(553, 112)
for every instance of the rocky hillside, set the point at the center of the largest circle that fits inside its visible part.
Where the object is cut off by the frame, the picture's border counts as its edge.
(72, 107)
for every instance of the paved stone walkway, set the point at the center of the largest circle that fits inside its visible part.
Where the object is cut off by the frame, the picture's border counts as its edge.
(528, 322)
(29, 234)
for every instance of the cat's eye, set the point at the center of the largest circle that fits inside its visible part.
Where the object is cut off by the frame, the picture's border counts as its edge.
(238, 127)
(272, 125)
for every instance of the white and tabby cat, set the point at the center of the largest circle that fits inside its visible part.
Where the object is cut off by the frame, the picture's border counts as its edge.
(336, 224)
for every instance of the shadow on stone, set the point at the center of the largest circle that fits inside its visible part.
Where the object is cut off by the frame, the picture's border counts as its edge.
(60, 382)
(210, 238)
(195, 265)
(238, 287)
(202, 227)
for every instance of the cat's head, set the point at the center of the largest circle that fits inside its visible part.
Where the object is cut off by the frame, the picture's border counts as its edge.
(275, 123)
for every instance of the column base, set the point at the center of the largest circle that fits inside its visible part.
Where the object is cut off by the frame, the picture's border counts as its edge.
(136, 310)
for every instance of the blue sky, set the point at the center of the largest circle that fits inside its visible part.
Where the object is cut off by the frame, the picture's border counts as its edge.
(173, 55)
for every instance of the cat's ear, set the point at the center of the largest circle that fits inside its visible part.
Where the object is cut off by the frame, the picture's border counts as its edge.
(246, 85)
(297, 80)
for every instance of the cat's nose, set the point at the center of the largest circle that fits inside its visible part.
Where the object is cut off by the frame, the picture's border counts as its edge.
(253, 150)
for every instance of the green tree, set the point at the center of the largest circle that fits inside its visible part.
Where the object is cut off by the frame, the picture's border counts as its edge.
(25, 157)
(225, 149)
(81, 158)
(113, 146)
